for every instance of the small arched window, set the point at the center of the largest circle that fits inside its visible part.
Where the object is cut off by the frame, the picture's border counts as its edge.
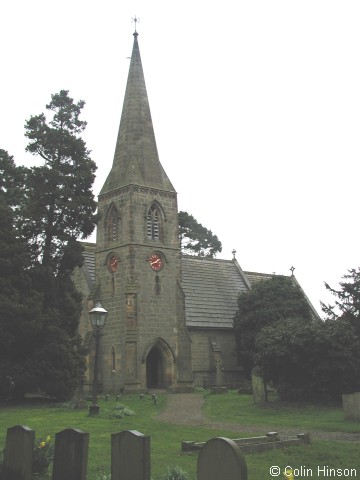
(113, 224)
(153, 223)
(157, 285)
(113, 359)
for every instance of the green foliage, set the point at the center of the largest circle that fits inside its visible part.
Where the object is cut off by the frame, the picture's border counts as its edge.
(347, 303)
(20, 302)
(103, 476)
(40, 347)
(43, 210)
(11, 180)
(174, 473)
(315, 361)
(43, 455)
(60, 205)
(13, 252)
(200, 390)
(269, 301)
(196, 239)
(304, 357)
(118, 411)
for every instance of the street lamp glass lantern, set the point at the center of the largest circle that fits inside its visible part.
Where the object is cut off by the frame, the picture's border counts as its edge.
(98, 316)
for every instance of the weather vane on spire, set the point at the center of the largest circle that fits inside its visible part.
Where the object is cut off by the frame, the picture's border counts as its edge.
(135, 20)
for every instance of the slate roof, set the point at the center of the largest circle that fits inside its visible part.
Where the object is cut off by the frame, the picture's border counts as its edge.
(255, 277)
(89, 259)
(211, 288)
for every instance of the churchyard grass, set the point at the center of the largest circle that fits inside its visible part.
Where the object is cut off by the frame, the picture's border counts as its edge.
(47, 419)
(236, 408)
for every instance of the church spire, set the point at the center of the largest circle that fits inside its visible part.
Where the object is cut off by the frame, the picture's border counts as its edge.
(136, 159)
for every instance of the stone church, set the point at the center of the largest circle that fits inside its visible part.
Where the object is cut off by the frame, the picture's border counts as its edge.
(170, 316)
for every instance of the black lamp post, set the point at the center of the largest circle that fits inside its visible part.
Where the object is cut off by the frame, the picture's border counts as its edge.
(97, 318)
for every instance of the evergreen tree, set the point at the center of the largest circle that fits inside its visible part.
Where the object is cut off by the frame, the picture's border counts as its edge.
(269, 301)
(60, 204)
(347, 303)
(59, 208)
(40, 348)
(304, 357)
(20, 305)
(12, 182)
(312, 361)
(43, 211)
(196, 239)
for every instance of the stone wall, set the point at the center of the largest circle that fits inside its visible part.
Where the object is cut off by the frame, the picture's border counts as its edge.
(145, 307)
(210, 346)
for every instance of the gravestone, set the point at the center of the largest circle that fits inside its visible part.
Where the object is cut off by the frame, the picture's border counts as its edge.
(130, 456)
(19, 453)
(351, 406)
(258, 387)
(221, 459)
(71, 454)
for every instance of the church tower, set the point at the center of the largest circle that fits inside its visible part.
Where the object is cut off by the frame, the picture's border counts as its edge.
(145, 342)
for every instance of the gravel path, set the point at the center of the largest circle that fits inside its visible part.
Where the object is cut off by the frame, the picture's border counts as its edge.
(186, 409)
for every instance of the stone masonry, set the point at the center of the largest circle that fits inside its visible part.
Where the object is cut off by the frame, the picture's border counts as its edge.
(170, 316)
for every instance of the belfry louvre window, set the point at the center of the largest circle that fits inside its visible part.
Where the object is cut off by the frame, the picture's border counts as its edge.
(153, 223)
(113, 224)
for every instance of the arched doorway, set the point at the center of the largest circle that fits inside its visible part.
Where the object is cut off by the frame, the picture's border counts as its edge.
(155, 369)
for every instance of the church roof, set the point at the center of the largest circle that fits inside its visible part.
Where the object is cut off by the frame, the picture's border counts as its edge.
(211, 288)
(255, 277)
(136, 159)
(89, 259)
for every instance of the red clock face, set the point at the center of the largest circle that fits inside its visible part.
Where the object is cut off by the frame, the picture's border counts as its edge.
(113, 263)
(156, 262)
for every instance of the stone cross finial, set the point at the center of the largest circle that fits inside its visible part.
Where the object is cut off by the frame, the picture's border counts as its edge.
(292, 271)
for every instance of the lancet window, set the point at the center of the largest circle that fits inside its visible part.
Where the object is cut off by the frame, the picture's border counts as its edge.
(113, 359)
(153, 223)
(113, 225)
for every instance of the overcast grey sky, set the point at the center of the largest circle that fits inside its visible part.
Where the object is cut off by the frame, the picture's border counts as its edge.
(255, 106)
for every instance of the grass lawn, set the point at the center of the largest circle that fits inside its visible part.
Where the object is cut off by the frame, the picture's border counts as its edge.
(165, 439)
(236, 408)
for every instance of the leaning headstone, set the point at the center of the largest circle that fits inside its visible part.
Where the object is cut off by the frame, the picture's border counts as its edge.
(258, 386)
(130, 456)
(221, 459)
(70, 456)
(19, 453)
